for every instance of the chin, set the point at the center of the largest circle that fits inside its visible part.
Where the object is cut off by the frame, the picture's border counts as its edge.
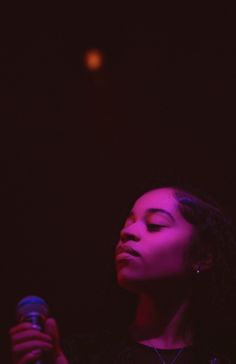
(129, 282)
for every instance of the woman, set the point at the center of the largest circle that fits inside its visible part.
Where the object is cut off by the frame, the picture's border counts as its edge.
(177, 255)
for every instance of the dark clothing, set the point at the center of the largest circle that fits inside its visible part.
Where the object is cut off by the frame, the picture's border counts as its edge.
(107, 348)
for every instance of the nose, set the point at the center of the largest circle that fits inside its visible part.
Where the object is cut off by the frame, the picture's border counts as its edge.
(129, 233)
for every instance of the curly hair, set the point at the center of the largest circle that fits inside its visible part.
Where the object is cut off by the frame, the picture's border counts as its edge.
(212, 306)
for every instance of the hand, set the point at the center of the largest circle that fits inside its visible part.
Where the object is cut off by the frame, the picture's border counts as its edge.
(29, 344)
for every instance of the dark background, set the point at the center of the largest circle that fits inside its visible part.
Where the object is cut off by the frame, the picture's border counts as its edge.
(77, 147)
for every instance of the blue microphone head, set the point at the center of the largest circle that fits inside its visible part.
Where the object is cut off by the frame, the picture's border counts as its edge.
(31, 306)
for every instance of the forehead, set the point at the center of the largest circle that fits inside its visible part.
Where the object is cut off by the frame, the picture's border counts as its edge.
(162, 198)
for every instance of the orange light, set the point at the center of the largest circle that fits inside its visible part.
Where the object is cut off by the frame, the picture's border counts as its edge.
(93, 59)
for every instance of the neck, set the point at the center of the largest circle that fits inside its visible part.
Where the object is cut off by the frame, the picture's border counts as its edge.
(161, 322)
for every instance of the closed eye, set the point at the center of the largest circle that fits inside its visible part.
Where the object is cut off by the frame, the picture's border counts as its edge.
(155, 227)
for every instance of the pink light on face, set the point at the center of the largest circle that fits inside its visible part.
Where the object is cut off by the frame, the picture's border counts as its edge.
(159, 235)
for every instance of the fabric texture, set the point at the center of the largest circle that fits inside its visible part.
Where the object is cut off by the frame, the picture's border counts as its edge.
(104, 347)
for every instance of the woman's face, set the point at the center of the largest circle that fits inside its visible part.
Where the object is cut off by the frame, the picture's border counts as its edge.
(160, 238)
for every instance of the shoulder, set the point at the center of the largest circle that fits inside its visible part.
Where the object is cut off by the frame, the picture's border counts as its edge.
(94, 346)
(213, 355)
(104, 346)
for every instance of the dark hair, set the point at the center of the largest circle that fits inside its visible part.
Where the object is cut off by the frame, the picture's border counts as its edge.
(213, 302)
(212, 307)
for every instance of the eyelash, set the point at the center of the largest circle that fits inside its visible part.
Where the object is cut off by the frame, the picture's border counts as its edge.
(155, 227)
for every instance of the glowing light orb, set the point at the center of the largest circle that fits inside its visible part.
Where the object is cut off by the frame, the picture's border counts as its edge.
(93, 59)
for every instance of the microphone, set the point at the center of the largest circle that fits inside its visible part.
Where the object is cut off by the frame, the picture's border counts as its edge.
(35, 310)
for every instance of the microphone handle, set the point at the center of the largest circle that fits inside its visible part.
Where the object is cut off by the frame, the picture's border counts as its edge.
(37, 322)
(39, 361)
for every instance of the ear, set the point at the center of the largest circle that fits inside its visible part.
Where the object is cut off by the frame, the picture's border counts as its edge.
(205, 263)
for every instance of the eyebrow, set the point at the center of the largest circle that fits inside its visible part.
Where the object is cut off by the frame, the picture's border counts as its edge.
(156, 211)
(162, 211)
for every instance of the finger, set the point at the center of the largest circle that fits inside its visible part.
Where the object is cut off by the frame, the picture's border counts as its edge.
(30, 357)
(51, 329)
(20, 327)
(29, 346)
(30, 335)
(61, 360)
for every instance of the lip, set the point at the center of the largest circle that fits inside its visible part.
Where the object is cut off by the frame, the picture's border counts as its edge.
(125, 249)
(124, 256)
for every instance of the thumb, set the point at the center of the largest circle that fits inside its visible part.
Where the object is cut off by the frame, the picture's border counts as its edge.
(51, 329)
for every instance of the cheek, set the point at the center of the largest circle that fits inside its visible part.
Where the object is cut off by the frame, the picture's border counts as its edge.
(168, 254)
(162, 256)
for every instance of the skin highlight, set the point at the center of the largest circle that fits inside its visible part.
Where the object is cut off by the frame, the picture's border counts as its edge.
(161, 275)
